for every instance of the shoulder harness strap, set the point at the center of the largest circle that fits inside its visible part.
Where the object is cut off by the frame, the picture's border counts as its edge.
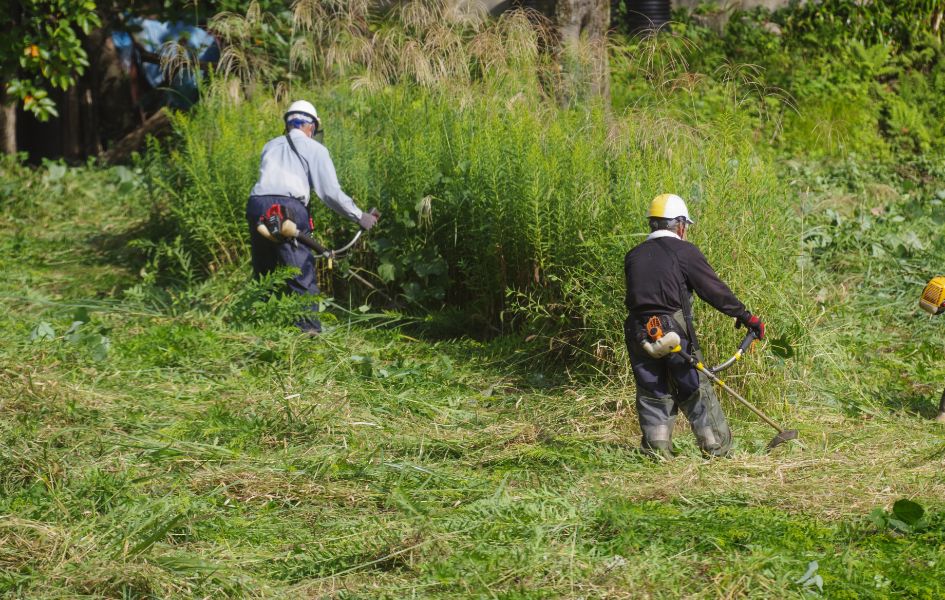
(683, 297)
(305, 166)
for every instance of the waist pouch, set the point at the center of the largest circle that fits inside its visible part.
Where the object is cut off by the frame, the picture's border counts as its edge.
(674, 322)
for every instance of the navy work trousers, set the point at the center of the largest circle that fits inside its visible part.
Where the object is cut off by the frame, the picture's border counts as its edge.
(670, 384)
(668, 376)
(267, 256)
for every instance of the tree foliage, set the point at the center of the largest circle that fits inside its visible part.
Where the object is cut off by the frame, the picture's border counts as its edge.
(41, 48)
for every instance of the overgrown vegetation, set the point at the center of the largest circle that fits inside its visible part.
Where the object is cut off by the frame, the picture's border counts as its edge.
(166, 432)
(867, 77)
(500, 202)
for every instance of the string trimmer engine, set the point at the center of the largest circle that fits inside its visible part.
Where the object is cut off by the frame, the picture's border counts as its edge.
(270, 224)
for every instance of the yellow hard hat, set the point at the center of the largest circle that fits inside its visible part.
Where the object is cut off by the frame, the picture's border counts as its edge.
(933, 296)
(669, 206)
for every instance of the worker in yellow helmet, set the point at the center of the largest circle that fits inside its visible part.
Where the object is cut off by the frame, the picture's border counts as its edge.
(933, 302)
(661, 274)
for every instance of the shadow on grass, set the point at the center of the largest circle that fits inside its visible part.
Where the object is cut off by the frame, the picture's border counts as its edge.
(926, 405)
(117, 248)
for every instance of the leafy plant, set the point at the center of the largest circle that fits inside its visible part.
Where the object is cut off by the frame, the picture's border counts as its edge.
(811, 579)
(266, 301)
(906, 516)
(79, 334)
(40, 47)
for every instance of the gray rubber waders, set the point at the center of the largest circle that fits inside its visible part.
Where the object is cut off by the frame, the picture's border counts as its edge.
(656, 423)
(708, 422)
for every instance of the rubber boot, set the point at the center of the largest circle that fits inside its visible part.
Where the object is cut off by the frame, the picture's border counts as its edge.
(708, 421)
(657, 420)
(658, 442)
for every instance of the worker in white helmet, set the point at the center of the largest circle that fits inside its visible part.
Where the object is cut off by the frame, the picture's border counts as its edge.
(293, 165)
(661, 274)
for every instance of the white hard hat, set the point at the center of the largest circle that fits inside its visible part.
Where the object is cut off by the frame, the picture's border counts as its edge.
(304, 109)
(669, 206)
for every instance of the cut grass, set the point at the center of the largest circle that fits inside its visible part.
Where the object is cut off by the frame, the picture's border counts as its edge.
(203, 458)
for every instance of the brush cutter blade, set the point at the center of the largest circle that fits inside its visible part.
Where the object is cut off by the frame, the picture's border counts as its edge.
(783, 436)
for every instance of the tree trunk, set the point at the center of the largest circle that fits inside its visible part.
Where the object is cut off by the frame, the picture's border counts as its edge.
(581, 30)
(583, 25)
(157, 125)
(114, 113)
(70, 124)
(90, 84)
(8, 125)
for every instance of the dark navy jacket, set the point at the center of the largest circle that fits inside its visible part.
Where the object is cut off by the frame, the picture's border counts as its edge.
(663, 268)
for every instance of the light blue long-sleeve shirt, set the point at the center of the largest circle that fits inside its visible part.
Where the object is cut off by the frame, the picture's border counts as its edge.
(281, 173)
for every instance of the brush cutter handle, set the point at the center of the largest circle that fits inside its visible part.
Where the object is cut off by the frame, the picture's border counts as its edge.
(348, 246)
(339, 251)
(750, 337)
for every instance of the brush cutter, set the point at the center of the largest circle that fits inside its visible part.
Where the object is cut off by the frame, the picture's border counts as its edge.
(932, 301)
(783, 434)
(276, 227)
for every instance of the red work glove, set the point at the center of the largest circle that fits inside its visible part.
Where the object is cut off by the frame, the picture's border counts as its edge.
(753, 323)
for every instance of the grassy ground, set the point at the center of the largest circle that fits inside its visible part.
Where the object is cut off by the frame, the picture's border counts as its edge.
(152, 447)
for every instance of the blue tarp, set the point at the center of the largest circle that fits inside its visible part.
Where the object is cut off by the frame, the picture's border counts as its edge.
(152, 36)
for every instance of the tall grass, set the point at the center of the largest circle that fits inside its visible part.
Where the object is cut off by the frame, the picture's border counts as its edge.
(503, 207)
(498, 200)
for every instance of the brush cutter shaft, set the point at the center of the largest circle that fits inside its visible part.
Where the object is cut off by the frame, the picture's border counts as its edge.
(738, 397)
(309, 242)
(783, 434)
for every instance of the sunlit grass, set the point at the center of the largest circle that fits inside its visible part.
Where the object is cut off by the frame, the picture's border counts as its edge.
(202, 457)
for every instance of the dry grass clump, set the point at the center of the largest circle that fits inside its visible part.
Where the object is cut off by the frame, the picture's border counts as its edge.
(434, 44)
(846, 468)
